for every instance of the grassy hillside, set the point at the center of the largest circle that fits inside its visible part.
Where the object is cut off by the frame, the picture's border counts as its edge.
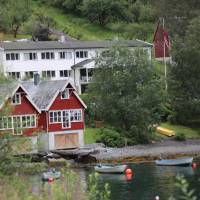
(81, 28)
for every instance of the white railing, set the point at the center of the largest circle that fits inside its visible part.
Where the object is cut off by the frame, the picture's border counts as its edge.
(86, 79)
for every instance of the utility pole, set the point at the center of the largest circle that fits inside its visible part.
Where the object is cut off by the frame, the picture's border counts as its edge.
(164, 51)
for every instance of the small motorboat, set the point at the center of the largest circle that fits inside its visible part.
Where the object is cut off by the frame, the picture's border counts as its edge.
(175, 162)
(51, 174)
(118, 169)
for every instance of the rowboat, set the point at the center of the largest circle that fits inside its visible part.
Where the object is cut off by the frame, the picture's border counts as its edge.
(110, 168)
(52, 174)
(175, 162)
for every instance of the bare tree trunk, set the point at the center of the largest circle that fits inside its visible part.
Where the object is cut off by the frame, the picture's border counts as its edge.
(15, 31)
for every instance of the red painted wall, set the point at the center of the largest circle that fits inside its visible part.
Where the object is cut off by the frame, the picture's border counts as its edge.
(25, 108)
(159, 44)
(42, 121)
(66, 104)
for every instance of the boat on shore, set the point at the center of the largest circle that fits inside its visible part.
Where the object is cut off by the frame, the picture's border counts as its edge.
(52, 174)
(116, 169)
(175, 162)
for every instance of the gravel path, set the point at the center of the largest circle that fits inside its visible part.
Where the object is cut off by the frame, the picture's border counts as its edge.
(166, 149)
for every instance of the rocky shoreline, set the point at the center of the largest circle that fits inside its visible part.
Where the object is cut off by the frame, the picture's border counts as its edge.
(98, 153)
(147, 152)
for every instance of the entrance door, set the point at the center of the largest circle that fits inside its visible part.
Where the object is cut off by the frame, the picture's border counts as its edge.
(65, 141)
(66, 119)
(17, 128)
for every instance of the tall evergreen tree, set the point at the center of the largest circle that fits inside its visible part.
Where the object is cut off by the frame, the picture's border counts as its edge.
(185, 75)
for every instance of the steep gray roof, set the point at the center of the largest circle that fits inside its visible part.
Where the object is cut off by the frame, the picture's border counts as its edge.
(42, 45)
(41, 95)
(6, 90)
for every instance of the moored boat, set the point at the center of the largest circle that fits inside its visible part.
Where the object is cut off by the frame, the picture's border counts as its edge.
(110, 168)
(52, 174)
(175, 162)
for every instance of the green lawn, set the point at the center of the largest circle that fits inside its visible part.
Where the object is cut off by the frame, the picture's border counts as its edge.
(190, 133)
(91, 135)
(10, 36)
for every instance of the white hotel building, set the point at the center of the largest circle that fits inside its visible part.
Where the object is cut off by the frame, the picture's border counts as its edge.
(57, 60)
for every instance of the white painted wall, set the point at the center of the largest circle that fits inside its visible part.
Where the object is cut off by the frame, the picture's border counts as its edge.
(55, 64)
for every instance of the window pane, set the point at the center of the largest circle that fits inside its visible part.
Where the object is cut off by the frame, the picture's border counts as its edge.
(7, 56)
(17, 56)
(61, 73)
(85, 54)
(33, 121)
(44, 74)
(43, 55)
(12, 56)
(24, 121)
(53, 73)
(65, 73)
(52, 55)
(77, 54)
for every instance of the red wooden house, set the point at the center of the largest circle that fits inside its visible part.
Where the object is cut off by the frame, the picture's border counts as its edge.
(49, 109)
(161, 43)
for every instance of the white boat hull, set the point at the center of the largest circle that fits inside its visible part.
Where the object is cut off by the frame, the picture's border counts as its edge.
(110, 169)
(175, 162)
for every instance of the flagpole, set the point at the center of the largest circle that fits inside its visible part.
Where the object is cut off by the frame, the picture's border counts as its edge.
(164, 55)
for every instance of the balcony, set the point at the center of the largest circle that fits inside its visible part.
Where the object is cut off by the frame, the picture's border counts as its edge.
(86, 79)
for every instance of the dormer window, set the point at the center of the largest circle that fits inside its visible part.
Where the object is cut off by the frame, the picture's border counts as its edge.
(16, 100)
(65, 94)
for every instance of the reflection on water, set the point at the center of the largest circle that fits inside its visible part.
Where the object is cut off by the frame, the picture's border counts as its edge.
(148, 181)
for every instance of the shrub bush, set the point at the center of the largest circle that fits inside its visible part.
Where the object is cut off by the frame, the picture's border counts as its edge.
(110, 137)
(180, 137)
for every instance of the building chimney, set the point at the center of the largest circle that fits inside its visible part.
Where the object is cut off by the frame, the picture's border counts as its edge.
(62, 38)
(36, 78)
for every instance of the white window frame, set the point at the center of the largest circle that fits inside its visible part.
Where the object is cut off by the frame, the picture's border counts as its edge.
(65, 72)
(17, 99)
(65, 55)
(14, 75)
(31, 124)
(65, 94)
(78, 117)
(4, 121)
(49, 74)
(48, 55)
(55, 114)
(69, 119)
(30, 56)
(12, 56)
(82, 54)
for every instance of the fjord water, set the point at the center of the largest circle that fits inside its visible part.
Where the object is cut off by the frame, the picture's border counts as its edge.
(149, 181)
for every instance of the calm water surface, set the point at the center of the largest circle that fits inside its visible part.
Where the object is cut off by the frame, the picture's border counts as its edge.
(148, 181)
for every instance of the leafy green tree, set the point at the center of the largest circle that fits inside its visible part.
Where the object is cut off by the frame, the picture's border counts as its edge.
(177, 14)
(126, 93)
(103, 11)
(183, 186)
(184, 81)
(40, 27)
(15, 13)
(72, 6)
